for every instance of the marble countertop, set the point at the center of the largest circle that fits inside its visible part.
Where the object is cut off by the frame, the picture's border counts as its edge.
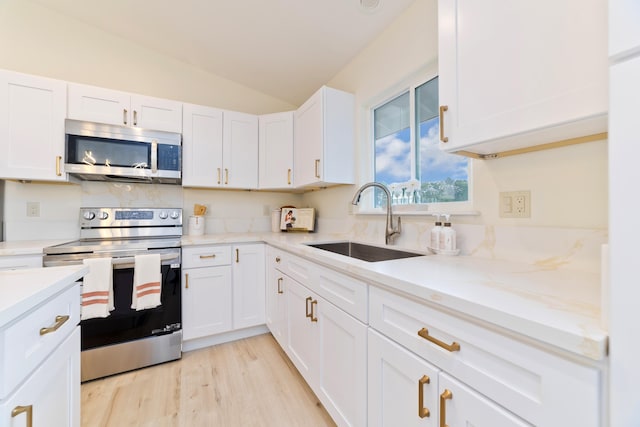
(21, 290)
(27, 247)
(551, 304)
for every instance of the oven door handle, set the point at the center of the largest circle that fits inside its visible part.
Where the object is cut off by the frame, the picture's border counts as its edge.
(129, 261)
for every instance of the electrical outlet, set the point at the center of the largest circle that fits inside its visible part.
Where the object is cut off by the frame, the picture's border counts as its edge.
(515, 204)
(33, 209)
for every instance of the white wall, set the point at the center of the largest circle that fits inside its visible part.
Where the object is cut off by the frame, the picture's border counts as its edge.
(568, 185)
(36, 40)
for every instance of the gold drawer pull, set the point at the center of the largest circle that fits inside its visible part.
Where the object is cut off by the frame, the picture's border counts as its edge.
(317, 171)
(277, 259)
(237, 255)
(21, 409)
(186, 280)
(207, 256)
(443, 138)
(424, 333)
(218, 175)
(313, 318)
(288, 176)
(306, 308)
(280, 279)
(422, 411)
(135, 118)
(226, 176)
(124, 116)
(58, 169)
(446, 395)
(60, 320)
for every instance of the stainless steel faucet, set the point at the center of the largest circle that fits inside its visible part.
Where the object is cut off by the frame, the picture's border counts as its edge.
(391, 232)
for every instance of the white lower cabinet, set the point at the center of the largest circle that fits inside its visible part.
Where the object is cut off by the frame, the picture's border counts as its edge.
(490, 375)
(222, 289)
(275, 298)
(462, 406)
(403, 388)
(248, 285)
(327, 345)
(17, 262)
(206, 301)
(51, 395)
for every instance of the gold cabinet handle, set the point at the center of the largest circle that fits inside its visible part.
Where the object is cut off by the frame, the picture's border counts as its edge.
(443, 138)
(237, 255)
(218, 176)
(313, 318)
(135, 118)
(306, 308)
(424, 333)
(60, 320)
(207, 256)
(317, 168)
(124, 116)
(277, 259)
(22, 409)
(280, 279)
(422, 411)
(288, 176)
(186, 280)
(226, 176)
(446, 395)
(58, 168)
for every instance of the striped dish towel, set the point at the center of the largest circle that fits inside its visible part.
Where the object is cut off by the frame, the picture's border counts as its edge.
(97, 289)
(146, 282)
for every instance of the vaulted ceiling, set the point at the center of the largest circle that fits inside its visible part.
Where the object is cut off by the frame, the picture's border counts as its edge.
(284, 48)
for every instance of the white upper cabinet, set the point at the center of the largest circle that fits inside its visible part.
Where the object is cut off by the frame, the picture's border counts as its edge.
(220, 148)
(324, 139)
(240, 151)
(202, 146)
(96, 104)
(624, 31)
(520, 74)
(32, 112)
(276, 150)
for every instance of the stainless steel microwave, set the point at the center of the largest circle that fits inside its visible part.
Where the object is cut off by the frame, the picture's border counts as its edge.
(102, 152)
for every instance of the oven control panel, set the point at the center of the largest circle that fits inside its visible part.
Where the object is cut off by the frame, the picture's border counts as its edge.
(130, 217)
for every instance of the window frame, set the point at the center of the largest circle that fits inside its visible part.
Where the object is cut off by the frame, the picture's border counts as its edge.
(367, 204)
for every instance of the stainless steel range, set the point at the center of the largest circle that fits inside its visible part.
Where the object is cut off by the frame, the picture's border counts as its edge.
(128, 339)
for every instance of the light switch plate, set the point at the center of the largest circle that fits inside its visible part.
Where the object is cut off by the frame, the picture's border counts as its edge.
(515, 204)
(33, 209)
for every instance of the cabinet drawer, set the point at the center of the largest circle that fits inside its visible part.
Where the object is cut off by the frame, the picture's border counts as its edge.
(522, 378)
(23, 345)
(347, 293)
(205, 256)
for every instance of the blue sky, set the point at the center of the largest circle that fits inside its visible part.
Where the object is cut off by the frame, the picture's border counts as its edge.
(393, 157)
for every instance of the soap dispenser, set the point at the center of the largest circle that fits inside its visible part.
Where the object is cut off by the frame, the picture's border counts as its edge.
(434, 242)
(447, 235)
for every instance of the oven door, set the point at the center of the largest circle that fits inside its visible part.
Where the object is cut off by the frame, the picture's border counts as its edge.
(126, 324)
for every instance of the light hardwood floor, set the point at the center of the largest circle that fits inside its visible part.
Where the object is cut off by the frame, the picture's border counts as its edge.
(249, 382)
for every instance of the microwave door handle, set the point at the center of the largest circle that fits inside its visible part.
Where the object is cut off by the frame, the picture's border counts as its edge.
(154, 156)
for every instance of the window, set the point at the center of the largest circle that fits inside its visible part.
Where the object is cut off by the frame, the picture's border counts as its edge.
(407, 157)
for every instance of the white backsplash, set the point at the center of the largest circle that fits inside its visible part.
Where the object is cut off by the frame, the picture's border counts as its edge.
(547, 247)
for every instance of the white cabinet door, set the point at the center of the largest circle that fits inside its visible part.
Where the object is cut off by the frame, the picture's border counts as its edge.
(324, 139)
(403, 388)
(32, 113)
(100, 105)
(516, 74)
(275, 137)
(624, 31)
(275, 305)
(156, 113)
(206, 301)
(202, 146)
(248, 285)
(240, 151)
(52, 393)
(342, 369)
(302, 343)
(465, 407)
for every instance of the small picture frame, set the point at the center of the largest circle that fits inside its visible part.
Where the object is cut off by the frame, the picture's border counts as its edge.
(294, 219)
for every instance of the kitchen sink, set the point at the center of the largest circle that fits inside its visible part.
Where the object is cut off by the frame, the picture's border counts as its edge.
(364, 252)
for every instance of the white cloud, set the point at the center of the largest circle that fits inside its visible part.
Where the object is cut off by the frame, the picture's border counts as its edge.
(393, 158)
